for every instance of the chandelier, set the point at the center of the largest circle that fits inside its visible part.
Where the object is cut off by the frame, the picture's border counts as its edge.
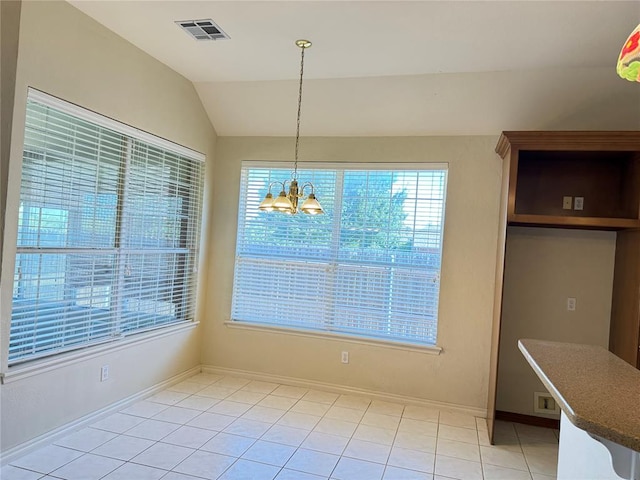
(629, 60)
(287, 200)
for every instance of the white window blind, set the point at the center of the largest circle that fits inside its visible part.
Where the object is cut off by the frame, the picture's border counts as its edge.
(108, 232)
(369, 267)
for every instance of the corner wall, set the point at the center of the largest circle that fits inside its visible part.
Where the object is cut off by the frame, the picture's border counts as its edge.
(543, 267)
(9, 34)
(67, 54)
(459, 375)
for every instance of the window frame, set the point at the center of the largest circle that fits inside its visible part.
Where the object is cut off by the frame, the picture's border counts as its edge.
(328, 333)
(194, 252)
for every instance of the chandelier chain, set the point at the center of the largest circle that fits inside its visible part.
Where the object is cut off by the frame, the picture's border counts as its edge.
(295, 164)
(287, 200)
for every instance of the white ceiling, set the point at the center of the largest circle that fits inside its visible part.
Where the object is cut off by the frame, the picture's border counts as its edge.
(395, 67)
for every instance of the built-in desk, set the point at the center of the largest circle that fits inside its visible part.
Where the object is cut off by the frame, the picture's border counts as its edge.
(599, 395)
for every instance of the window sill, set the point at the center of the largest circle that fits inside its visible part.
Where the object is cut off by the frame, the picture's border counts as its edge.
(37, 367)
(339, 337)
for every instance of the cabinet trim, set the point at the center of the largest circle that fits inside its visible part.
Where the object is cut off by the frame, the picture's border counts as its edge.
(568, 140)
(575, 222)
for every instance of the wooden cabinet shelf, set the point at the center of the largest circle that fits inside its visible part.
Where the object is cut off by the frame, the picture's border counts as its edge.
(573, 222)
(600, 168)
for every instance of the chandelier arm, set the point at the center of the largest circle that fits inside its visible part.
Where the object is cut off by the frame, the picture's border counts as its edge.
(307, 184)
(295, 164)
(275, 182)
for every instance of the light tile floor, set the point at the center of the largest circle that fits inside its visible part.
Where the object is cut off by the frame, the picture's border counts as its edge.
(228, 428)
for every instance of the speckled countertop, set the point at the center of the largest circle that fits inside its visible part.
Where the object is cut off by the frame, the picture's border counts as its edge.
(599, 392)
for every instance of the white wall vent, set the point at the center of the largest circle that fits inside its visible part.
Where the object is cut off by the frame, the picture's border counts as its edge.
(203, 29)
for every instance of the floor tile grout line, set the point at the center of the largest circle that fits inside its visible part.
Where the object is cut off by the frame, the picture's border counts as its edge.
(395, 436)
(522, 450)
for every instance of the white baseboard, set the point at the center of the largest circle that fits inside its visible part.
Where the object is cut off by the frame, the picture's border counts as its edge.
(343, 389)
(53, 435)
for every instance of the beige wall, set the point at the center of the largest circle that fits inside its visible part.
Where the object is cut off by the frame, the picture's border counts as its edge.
(457, 376)
(9, 32)
(543, 268)
(67, 54)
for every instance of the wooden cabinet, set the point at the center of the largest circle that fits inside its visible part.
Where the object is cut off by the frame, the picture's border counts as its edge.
(601, 168)
(624, 334)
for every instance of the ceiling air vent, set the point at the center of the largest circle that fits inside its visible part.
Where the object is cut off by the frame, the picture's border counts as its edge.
(203, 29)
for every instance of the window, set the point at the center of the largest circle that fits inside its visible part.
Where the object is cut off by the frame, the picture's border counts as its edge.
(369, 267)
(108, 227)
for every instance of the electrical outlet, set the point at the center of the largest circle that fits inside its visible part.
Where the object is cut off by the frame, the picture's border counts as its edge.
(578, 203)
(571, 304)
(104, 373)
(544, 403)
(345, 357)
(567, 203)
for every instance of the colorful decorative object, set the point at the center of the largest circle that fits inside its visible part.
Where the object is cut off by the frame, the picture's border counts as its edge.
(629, 61)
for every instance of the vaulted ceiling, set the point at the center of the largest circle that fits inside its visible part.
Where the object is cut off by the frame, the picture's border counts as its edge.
(394, 67)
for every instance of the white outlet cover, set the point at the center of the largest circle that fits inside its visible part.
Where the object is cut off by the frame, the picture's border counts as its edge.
(578, 203)
(567, 203)
(571, 304)
(536, 403)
